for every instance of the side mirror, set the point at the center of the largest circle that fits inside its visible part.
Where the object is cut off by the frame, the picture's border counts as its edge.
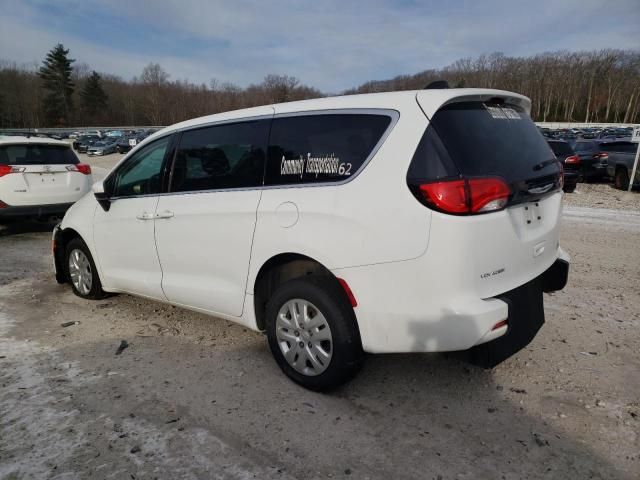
(101, 196)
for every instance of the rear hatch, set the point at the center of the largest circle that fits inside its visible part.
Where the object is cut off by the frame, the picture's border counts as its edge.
(485, 143)
(41, 174)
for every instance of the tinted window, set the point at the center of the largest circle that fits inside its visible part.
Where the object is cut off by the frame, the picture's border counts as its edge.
(142, 173)
(37, 155)
(585, 146)
(561, 149)
(321, 148)
(493, 139)
(223, 156)
(625, 147)
(431, 160)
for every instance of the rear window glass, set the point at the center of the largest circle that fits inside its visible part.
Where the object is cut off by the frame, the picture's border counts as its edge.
(321, 148)
(34, 154)
(493, 139)
(625, 147)
(561, 148)
(585, 146)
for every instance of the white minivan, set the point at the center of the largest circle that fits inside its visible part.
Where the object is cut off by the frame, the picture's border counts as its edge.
(418, 221)
(40, 178)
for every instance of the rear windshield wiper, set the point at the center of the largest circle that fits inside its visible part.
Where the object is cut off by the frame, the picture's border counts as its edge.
(541, 165)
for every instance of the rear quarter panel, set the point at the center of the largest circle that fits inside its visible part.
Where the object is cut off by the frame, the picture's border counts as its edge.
(371, 219)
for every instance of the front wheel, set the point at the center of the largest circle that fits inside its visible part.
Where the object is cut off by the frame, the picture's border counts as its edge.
(313, 334)
(82, 272)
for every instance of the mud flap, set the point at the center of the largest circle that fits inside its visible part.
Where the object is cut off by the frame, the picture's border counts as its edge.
(526, 316)
(556, 276)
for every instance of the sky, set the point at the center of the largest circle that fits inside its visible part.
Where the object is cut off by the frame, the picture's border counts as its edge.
(332, 45)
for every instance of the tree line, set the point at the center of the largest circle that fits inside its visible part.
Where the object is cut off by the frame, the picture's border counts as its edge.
(594, 86)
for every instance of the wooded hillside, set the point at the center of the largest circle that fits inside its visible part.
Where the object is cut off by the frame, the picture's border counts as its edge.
(596, 86)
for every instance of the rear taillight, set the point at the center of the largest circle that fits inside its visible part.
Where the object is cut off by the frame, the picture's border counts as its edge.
(466, 196)
(80, 167)
(3, 205)
(572, 160)
(7, 169)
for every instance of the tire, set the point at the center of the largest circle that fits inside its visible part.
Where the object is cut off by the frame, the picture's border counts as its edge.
(569, 188)
(621, 180)
(336, 326)
(77, 258)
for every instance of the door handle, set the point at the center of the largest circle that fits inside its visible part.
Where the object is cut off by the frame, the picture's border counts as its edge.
(165, 214)
(145, 216)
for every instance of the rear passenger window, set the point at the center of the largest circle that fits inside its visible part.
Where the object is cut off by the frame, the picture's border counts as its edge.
(222, 156)
(431, 161)
(321, 148)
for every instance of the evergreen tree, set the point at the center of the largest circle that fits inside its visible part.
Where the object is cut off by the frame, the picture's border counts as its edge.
(56, 81)
(94, 98)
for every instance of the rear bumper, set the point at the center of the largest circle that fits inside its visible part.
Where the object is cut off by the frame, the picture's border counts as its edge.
(399, 312)
(571, 177)
(526, 316)
(595, 170)
(34, 211)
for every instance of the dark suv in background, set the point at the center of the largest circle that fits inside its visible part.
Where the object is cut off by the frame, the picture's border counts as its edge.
(593, 159)
(622, 154)
(570, 162)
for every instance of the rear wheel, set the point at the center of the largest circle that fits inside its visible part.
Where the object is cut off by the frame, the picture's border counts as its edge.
(621, 179)
(313, 334)
(82, 272)
(569, 188)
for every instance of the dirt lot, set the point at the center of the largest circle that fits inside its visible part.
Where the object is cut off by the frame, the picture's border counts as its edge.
(196, 397)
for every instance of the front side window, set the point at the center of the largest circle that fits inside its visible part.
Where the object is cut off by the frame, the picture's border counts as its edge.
(221, 156)
(142, 173)
(322, 147)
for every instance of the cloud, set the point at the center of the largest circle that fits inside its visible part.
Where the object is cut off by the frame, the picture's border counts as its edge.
(332, 45)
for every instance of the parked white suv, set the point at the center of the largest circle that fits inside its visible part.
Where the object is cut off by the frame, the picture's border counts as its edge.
(420, 221)
(39, 178)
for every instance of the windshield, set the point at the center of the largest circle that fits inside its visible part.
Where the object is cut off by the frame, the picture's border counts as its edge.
(34, 154)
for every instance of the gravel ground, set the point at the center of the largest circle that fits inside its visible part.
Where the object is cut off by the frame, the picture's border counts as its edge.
(197, 397)
(603, 195)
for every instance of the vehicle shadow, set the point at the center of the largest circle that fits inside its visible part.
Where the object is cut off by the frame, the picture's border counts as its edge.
(403, 417)
(26, 226)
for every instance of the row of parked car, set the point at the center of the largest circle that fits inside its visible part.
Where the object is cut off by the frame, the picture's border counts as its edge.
(99, 143)
(591, 160)
(589, 133)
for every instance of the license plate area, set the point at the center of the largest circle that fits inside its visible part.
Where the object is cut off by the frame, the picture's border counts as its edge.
(45, 178)
(532, 214)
